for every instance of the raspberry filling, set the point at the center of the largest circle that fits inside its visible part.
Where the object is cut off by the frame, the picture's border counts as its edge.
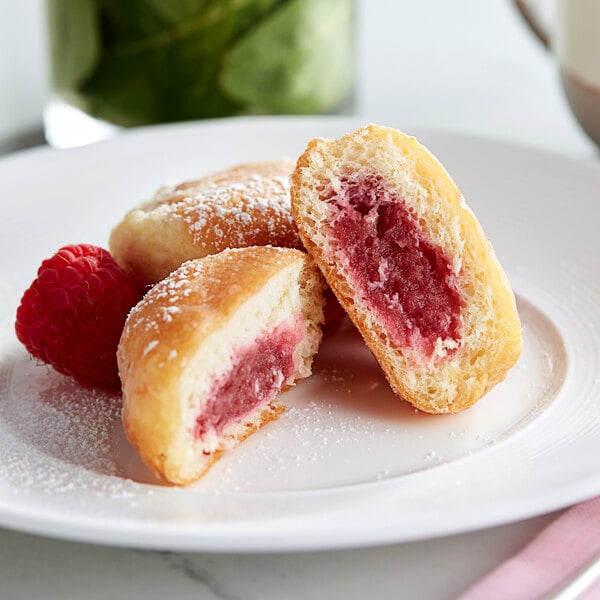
(402, 277)
(259, 371)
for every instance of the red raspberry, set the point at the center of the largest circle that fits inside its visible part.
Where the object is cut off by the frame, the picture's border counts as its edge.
(72, 315)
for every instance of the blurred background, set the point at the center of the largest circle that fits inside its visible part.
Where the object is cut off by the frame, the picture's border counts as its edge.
(465, 65)
(23, 71)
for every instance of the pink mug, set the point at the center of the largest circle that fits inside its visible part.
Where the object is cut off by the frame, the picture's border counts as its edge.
(575, 41)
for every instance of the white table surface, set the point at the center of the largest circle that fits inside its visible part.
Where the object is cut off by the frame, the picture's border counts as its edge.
(461, 65)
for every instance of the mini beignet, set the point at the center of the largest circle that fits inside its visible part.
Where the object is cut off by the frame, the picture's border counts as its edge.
(246, 205)
(409, 263)
(205, 353)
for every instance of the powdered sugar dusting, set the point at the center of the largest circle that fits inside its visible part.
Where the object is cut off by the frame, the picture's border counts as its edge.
(230, 213)
(168, 299)
(150, 347)
(171, 291)
(343, 426)
(61, 438)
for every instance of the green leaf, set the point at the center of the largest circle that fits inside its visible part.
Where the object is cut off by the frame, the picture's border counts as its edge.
(151, 70)
(178, 11)
(74, 40)
(298, 60)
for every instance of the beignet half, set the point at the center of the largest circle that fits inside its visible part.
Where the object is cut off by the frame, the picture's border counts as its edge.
(410, 264)
(204, 355)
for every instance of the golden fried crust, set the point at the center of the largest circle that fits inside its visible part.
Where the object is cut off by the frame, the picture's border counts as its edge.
(247, 205)
(175, 327)
(491, 338)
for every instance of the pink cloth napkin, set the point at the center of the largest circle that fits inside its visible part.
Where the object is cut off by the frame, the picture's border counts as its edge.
(557, 552)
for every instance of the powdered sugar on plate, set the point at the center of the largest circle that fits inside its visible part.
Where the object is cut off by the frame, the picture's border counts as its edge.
(59, 438)
(343, 426)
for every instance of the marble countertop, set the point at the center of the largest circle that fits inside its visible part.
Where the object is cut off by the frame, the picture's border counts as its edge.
(461, 66)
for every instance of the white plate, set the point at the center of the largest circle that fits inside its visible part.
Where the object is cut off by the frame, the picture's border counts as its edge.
(348, 464)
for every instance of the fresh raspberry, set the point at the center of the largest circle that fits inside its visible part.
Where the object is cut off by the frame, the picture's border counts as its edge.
(72, 315)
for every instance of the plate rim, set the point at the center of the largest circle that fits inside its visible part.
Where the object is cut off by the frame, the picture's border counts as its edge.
(154, 536)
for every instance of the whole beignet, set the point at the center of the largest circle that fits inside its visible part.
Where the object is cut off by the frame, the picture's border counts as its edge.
(246, 205)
